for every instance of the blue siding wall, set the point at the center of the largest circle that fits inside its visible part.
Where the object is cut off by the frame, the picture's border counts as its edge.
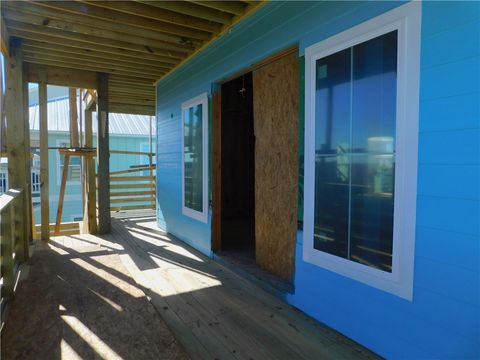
(443, 320)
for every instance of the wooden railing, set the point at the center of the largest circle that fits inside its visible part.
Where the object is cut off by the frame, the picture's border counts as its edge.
(64, 229)
(129, 191)
(12, 243)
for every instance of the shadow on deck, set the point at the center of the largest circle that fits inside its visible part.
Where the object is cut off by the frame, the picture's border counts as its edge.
(113, 296)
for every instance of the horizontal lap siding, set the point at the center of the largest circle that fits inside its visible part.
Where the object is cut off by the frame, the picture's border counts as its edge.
(443, 319)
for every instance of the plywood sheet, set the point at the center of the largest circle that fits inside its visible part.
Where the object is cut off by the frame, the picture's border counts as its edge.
(276, 98)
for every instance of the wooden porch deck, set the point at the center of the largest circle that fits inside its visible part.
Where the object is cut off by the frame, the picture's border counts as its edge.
(212, 312)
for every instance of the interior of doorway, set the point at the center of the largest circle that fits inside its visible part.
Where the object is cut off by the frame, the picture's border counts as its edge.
(238, 169)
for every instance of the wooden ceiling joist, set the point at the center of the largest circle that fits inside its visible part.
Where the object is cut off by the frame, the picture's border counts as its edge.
(92, 66)
(88, 67)
(97, 40)
(80, 56)
(80, 9)
(156, 13)
(135, 42)
(232, 7)
(95, 23)
(139, 61)
(95, 33)
(192, 9)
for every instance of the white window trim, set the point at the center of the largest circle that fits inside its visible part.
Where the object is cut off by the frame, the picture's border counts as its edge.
(59, 142)
(203, 215)
(407, 20)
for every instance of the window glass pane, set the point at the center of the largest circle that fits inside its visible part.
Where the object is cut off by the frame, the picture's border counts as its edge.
(355, 110)
(331, 204)
(373, 136)
(332, 103)
(193, 156)
(332, 136)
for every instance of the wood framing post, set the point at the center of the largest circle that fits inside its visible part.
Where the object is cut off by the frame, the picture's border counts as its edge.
(90, 209)
(103, 156)
(217, 170)
(29, 222)
(44, 196)
(72, 97)
(16, 149)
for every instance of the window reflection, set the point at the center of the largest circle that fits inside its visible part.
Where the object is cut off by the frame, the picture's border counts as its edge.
(193, 155)
(355, 109)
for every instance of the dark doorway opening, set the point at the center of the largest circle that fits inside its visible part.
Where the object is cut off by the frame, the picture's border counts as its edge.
(238, 168)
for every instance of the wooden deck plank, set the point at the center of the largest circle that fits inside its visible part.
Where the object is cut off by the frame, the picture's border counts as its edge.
(215, 312)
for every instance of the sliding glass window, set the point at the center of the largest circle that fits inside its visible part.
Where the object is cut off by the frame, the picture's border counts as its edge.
(361, 141)
(355, 152)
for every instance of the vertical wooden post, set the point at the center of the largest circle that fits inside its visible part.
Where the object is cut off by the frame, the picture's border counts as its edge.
(29, 222)
(6, 236)
(16, 148)
(72, 97)
(90, 209)
(44, 196)
(103, 156)
(217, 171)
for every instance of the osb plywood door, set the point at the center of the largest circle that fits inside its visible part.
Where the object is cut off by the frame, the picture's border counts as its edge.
(276, 96)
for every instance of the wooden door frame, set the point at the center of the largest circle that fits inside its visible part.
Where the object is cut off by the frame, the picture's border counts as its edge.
(217, 170)
(217, 142)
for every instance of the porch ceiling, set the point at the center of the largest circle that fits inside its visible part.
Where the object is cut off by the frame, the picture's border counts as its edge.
(136, 42)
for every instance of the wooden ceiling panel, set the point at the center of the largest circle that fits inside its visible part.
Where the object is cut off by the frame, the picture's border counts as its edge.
(135, 42)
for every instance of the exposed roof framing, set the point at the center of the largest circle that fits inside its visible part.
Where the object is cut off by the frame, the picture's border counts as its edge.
(136, 42)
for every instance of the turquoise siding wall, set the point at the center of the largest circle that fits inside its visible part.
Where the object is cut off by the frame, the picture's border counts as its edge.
(73, 194)
(443, 319)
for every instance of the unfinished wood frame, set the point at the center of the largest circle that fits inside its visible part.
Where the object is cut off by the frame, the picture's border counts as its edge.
(216, 170)
(138, 40)
(103, 156)
(90, 187)
(74, 142)
(18, 150)
(44, 178)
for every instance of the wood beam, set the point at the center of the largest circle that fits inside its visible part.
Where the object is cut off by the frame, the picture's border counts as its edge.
(148, 93)
(131, 109)
(89, 46)
(16, 148)
(192, 9)
(125, 19)
(62, 76)
(90, 210)
(103, 156)
(88, 65)
(152, 12)
(43, 116)
(124, 62)
(29, 217)
(177, 52)
(96, 33)
(74, 142)
(129, 79)
(231, 7)
(91, 68)
(5, 39)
